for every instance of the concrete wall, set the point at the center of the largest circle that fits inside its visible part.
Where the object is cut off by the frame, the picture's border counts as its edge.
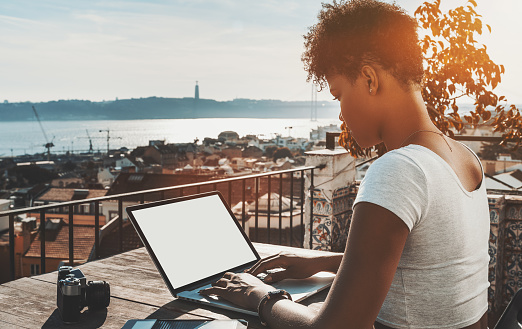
(505, 250)
(333, 191)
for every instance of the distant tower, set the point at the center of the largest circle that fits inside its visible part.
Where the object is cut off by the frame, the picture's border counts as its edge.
(196, 101)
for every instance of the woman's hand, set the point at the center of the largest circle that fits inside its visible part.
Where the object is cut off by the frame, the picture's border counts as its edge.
(286, 265)
(242, 289)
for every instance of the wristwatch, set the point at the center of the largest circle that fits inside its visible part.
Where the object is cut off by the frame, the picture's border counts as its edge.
(271, 295)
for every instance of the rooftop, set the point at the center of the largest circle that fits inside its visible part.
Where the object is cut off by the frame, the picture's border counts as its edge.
(68, 194)
(59, 247)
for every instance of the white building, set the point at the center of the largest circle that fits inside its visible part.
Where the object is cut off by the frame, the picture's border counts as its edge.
(4, 221)
(320, 132)
(106, 177)
(127, 163)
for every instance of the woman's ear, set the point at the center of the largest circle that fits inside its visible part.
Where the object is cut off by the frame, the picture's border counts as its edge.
(371, 77)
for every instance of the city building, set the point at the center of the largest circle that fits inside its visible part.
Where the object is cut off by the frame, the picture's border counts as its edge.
(106, 176)
(56, 246)
(252, 151)
(229, 137)
(84, 214)
(320, 132)
(5, 205)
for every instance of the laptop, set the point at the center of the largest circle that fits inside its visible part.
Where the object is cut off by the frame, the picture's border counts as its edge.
(194, 240)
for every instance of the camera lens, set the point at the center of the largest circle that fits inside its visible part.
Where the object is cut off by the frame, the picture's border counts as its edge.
(98, 295)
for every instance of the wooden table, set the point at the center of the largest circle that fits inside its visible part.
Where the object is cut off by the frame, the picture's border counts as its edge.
(137, 292)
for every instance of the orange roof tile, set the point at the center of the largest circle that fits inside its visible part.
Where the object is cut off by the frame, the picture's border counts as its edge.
(67, 194)
(59, 248)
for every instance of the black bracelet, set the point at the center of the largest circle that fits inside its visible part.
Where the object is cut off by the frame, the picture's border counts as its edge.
(275, 294)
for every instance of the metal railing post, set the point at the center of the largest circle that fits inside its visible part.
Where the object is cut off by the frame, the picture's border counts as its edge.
(291, 208)
(311, 205)
(42, 241)
(280, 208)
(11, 247)
(120, 223)
(96, 229)
(269, 208)
(71, 236)
(257, 210)
(243, 205)
(302, 208)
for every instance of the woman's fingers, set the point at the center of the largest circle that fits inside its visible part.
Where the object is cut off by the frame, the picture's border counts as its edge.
(241, 289)
(255, 269)
(224, 280)
(214, 290)
(274, 276)
(219, 286)
(228, 275)
(220, 283)
(265, 264)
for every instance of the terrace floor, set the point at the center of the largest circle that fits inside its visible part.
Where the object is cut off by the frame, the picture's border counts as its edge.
(137, 292)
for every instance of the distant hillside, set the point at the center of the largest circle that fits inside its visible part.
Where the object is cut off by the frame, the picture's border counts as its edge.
(164, 108)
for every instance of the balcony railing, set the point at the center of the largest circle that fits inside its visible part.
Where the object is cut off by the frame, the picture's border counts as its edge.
(160, 195)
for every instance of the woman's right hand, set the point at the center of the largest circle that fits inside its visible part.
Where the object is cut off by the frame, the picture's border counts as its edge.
(285, 265)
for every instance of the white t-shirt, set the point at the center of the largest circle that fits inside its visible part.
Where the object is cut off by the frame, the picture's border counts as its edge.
(442, 277)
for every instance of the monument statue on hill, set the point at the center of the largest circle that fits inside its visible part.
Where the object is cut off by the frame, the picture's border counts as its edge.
(196, 101)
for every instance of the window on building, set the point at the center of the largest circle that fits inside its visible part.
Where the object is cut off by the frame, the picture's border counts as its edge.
(35, 269)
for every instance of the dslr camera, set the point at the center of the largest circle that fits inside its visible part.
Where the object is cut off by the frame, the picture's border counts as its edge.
(74, 292)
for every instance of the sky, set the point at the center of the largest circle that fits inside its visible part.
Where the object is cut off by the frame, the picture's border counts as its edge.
(103, 50)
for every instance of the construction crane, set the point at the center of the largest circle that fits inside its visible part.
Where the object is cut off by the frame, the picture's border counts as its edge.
(108, 138)
(289, 131)
(90, 141)
(48, 144)
(91, 149)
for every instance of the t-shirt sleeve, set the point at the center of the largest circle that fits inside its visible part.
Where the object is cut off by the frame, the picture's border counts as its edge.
(396, 183)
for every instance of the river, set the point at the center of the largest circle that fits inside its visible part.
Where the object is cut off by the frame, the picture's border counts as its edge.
(18, 138)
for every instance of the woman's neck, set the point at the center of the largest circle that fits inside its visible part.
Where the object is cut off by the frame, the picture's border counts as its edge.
(406, 115)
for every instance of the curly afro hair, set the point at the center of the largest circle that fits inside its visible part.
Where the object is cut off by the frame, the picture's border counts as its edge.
(351, 34)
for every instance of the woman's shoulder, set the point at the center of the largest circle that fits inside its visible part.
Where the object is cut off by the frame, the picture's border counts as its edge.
(409, 156)
(397, 165)
(398, 183)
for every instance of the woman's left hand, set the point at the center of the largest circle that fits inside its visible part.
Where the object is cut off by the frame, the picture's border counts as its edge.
(242, 289)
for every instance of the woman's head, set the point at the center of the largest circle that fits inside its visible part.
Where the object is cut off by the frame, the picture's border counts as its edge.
(351, 34)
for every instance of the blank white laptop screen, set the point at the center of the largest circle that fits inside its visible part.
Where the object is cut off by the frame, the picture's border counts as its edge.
(193, 239)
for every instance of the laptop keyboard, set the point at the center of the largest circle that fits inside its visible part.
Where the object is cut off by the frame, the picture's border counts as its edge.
(260, 276)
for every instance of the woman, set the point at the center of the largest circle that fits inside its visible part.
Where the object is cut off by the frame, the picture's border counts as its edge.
(417, 250)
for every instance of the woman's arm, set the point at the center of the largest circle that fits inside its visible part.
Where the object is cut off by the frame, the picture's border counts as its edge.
(375, 243)
(374, 247)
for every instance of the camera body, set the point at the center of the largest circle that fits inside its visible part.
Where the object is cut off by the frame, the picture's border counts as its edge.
(74, 292)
